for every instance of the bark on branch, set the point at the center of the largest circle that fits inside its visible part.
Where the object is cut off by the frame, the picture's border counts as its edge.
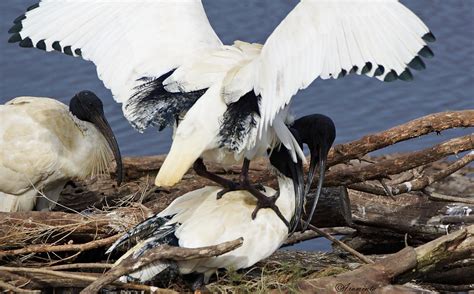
(421, 259)
(416, 184)
(431, 123)
(130, 264)
(404, 162)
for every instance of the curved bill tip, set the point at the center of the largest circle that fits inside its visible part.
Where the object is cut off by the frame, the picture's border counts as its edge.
(312, 169)
(106, 130)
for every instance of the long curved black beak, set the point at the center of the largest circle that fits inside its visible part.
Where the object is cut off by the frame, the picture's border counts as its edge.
(102, 124)
(297, 174)
(319, 160)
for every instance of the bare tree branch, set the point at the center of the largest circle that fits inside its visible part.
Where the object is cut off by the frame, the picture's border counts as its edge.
(41, 248)
(130, 264)
(416, 184)
(399, 164)
(431, 123)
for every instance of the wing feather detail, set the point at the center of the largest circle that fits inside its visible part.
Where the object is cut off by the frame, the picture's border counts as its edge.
(331, 39)
(125, 39)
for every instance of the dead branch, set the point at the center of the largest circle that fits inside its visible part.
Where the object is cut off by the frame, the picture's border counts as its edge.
(412, 214)
(342, 245)
(416, 184)
(130, 264)
(308, 235)
(431, 123)
(81, 266)
(400, 163)
(21, 228)
(441, 197)
(84, 277)
(10, 287)
(419, 260)
(41, 248)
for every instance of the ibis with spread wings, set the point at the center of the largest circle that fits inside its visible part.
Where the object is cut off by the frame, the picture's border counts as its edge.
(229, 103)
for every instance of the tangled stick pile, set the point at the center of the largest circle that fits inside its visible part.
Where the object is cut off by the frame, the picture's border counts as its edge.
(382, 204)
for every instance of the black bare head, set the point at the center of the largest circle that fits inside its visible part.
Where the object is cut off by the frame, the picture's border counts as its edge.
(281, 160)
(86, 106)
(318, 132)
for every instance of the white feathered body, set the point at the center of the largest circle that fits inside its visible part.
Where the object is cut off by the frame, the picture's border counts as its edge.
(206, 221)
(198, 134)
(42, 146)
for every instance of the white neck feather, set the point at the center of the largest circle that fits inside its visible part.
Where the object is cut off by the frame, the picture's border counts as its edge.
(94, 154)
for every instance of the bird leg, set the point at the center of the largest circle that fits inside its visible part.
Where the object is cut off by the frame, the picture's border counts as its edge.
(263, 201)
(228, 185)
(202, 171)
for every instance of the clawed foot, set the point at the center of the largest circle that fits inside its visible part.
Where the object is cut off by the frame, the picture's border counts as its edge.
(269, 202)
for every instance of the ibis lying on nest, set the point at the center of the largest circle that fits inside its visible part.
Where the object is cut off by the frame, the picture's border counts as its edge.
(198, 219)
(163, 61)
(44, 144)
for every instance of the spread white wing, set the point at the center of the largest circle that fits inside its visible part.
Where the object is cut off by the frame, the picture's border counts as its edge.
(329, 39)
(126, 39)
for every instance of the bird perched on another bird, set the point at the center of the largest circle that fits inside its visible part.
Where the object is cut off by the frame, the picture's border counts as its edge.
(44, 144)
(198, 219)
(165, 63)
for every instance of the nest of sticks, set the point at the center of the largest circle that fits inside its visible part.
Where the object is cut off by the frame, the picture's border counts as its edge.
(405, 220)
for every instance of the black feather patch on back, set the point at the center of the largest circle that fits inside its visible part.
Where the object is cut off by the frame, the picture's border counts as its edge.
(238, 120)
(152, 105)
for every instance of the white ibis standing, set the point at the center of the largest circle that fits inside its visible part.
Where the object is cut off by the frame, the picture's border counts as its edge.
(43, 144)
(165, 63)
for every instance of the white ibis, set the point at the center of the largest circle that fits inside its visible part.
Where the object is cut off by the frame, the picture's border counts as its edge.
(164, 62)
(43, 144)
(199, 219)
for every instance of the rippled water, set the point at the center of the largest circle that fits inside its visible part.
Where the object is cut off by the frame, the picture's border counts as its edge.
(358, 105)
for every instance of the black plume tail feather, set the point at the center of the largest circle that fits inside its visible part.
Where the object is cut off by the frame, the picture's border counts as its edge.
(238, 121)
(154, 230)
(152, 105)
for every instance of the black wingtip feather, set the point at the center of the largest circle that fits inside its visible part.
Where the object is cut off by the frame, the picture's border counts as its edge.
(57, 46)
(78, 52)
(68, 50)
(379, 71)
(406, 75)
(342, 74)
(41, 45)
(26, 43)
(16, 28)
(367, 68)
(391, 76)
(426, 52)
(14, 38)
(429, 37)
(34, 6)
(417, 63)
(354, 69)
(19, 19)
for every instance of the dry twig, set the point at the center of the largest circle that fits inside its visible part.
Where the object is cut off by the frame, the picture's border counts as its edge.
(9, 287)
(42, 248)
(74, 276)
(308, 235)
(130, 264)
(359, 255)
(416, 184)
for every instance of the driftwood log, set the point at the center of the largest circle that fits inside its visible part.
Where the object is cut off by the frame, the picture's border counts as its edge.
(381, 205)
